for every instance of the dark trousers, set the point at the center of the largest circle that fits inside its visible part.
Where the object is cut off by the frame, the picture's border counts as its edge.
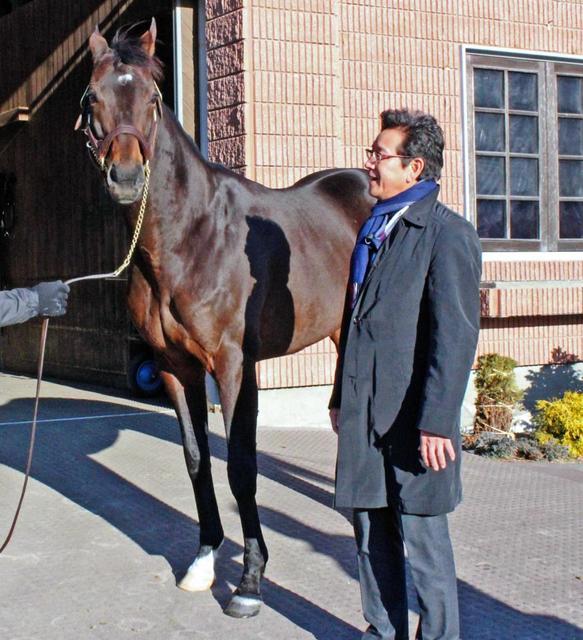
(380, 534)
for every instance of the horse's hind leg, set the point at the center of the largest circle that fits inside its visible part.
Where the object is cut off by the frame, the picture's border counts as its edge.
(190, 405)
(238, 389)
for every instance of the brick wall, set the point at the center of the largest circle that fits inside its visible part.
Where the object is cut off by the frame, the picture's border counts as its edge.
(226, 82)
(534, 310)
(323, 70)
(317, 73)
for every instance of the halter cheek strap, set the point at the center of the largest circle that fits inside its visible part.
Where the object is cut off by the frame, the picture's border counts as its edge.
(99, 148)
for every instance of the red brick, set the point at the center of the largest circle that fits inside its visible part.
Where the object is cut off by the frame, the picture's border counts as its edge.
(226, 91)
(230, 152)
(225, 60)
(224, 30)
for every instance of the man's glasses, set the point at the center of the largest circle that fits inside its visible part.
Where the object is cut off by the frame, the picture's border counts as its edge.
(377, 156)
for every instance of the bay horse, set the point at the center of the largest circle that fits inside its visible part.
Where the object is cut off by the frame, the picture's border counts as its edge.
(227, 272)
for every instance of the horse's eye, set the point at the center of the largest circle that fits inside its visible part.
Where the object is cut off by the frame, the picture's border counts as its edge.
(154, 99)
(91, 98)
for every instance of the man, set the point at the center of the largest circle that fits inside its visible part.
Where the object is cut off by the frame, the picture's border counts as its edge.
(408, 341)
(45, 299)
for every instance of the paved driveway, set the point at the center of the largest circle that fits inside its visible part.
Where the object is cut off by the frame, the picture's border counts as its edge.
(109, 524)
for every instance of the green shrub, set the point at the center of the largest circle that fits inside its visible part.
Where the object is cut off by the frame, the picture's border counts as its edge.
(552, 450)
(498, 393)
(528, 449)
(495, 446)
(562, 420)
(526, 446)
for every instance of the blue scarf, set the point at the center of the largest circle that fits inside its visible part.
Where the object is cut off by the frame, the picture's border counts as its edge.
(371, 234)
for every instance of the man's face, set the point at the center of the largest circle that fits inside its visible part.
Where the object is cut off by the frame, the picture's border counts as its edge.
(388, 176)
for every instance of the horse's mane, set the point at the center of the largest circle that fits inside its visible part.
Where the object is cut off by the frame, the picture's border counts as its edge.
(128, 50)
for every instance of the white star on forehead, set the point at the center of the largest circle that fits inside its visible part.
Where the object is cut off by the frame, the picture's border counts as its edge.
(127, 77)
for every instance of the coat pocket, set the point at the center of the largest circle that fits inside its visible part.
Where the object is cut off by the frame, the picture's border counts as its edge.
(391, 379)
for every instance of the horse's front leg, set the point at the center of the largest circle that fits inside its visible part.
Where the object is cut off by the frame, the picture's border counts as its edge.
(190, 404)
(238, 391)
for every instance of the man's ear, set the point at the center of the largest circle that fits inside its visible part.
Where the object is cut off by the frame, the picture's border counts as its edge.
(417, 165)
(148, 39)
(98, 45)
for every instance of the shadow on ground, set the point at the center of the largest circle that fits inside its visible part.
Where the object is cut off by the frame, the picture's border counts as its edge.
(62, 462)
(552, 380)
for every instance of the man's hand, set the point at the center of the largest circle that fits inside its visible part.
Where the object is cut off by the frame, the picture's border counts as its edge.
(334, 419)
(433, 449)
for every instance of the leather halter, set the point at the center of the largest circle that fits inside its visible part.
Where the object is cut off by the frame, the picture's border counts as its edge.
(99, 147)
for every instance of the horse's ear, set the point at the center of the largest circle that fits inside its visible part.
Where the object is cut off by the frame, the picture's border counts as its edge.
(98, 45)
(148, 40)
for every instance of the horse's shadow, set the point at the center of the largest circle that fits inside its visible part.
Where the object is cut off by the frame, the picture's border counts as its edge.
(63, 462)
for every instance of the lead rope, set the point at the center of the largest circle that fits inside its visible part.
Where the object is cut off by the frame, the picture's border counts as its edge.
(43, 341)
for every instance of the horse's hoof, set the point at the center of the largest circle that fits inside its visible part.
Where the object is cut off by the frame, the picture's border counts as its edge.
(201, 573)
(243, 606)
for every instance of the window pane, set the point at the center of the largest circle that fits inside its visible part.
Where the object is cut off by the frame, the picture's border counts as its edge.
(489, 132)
(490, 176)
(491, 218)
(489, 88)
(571, 178)
(524, 134)
(523, 91)
(524, 220)
(523, 177)
(570, 96)
(570, 137)
(571, 220)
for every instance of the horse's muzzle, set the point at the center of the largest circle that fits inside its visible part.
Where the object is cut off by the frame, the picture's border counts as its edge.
(125, 183)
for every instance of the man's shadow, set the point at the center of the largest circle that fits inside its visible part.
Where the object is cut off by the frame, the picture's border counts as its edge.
(269, 311)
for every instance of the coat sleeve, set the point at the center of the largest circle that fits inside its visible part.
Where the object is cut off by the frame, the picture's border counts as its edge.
(17, 305)
(453, 291)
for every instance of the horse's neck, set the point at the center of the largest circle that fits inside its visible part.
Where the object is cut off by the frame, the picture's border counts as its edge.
(180, 190)
(178, 167)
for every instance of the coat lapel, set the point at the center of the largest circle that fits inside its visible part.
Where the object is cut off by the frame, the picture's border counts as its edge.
(389, 254)
(414, 219)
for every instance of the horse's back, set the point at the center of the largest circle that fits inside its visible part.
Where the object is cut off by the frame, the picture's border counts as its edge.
(347, 188)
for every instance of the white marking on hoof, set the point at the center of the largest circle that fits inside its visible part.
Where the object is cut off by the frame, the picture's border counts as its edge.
(200, 575)
(127, 77)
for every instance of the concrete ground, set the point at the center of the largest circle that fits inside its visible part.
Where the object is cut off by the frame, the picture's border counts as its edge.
(109, 524)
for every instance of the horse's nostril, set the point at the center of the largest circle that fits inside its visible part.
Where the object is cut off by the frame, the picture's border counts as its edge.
(113, 173)
(121, 174)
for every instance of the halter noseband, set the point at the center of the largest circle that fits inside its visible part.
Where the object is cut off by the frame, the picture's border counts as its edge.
(99, 147)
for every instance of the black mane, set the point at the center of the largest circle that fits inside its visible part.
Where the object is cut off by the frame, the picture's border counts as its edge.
(128, 50)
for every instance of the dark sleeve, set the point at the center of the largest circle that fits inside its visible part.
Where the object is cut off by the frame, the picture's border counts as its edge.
(17, 305)
(336, 396)
(453, 291)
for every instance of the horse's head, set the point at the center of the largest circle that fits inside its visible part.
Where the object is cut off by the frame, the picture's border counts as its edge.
(120, 110)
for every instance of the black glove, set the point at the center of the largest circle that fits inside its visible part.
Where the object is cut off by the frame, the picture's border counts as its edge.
(52, 298)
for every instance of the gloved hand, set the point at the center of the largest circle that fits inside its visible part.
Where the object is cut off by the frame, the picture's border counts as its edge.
(52, 298)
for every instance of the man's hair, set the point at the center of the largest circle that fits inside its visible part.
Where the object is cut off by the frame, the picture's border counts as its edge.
(423, 138)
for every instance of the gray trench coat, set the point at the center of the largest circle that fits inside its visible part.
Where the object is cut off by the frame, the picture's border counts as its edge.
(17, 305)
(406, 353)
